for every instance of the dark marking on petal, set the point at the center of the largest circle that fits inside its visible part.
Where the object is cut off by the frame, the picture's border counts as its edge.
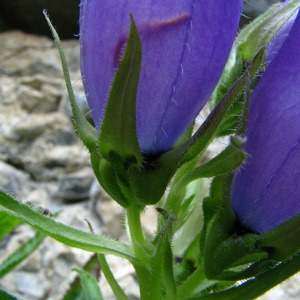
(119, 50)
(175, 21)
(144, 28)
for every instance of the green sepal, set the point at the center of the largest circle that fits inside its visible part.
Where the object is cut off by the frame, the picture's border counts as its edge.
(228, 160)
(231, 253)
(87, 133)
(108, 177)
(232, 71)
(262, 30)
(119, 153)
(283, 241)
(118, 137)
(199, 141)
(222, 247)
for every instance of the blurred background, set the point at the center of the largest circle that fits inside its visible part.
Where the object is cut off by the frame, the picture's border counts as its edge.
(26, 15)
(43, 162)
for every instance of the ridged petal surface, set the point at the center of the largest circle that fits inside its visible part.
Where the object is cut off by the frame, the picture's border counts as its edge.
(185, 46)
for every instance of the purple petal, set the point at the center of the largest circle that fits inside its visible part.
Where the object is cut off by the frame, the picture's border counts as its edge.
(265, 192)
(279, 39)
(185, 47)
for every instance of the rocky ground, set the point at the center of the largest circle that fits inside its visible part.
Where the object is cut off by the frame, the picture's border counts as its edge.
(43, 162)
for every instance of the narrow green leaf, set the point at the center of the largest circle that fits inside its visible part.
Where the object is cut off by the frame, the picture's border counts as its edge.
(118, 137)
(90, 285)
(21, 253)
(87, 133)
(63, 233)
(5, 296)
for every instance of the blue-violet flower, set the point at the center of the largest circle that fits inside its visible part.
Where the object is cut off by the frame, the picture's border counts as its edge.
(265, 191)
(185, 45)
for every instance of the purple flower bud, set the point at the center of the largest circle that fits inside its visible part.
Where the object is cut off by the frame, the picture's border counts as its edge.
(185, 46)
(265, 191)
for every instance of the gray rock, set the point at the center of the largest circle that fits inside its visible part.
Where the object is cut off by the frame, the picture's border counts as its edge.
(75, 186)
(12, 179)
(26, 285)
(27, 15)
(26, 55)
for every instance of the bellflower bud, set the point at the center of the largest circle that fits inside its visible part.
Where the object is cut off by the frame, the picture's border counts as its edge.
(185, 45)
(265, 191)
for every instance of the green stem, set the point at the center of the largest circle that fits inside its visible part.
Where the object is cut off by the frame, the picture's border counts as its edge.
(194, 284)
(148, 267)
(135, 229)
(118, 292)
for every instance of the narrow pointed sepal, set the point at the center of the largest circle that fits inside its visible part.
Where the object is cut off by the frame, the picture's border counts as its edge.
(118, 137)
(87, 133)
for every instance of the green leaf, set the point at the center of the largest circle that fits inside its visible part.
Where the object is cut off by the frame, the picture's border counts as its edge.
(7, 223)
(63, 233)
(5, 296)
(118, 137)
(90, 285)
(260, 32)
(87, 133)
(21, 253)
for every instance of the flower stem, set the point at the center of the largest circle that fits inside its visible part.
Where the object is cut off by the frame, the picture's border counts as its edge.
(148, 269)
(135, 228)
(119, 293)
